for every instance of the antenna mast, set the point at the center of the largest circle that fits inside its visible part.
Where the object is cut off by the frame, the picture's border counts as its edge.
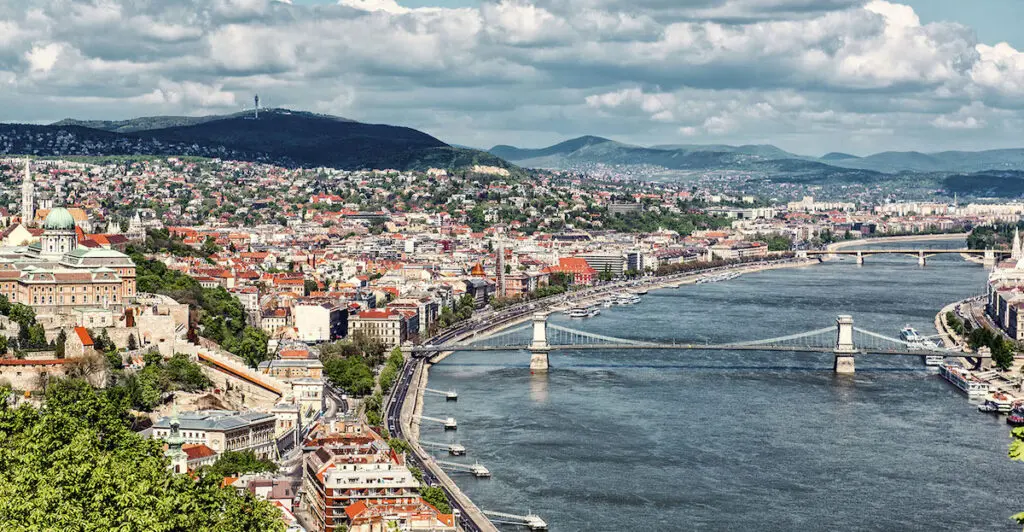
(256, 107)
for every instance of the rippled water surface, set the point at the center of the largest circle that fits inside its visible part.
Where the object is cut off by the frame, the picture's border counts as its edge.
(685, 440)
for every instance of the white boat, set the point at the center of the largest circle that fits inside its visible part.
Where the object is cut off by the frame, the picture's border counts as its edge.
(934, 360)
(963, 379)
(627, 299)
(578, 312)
(607, 303)
(593, 311)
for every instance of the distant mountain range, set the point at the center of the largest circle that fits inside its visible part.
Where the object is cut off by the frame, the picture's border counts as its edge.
(590, 150)
(279, 136)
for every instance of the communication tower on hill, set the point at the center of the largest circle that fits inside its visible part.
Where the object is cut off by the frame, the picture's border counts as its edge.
(256, 107)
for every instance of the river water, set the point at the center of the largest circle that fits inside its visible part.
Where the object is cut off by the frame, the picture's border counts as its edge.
(693, 440)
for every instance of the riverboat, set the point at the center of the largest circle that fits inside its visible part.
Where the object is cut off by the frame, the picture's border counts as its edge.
(627, 299)
(578, 312)
(963, 379)
(1016, 418)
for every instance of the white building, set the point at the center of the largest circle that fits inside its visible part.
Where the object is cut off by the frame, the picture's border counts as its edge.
(320, 322)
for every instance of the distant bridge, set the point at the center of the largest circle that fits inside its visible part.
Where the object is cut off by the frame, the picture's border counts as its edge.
(922, 255)
(843, 340)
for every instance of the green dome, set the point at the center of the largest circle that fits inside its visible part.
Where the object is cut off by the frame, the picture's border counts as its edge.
(59, 219)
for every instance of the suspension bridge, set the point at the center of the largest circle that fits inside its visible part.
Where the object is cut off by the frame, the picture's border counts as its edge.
(843, 340)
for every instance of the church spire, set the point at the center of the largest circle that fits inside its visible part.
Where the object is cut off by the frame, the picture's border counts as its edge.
(28, 200)
(1016, 253)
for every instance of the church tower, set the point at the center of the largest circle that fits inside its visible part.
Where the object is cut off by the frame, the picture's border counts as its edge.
(179, 460)
(1016, 253)
(28, 199)
(136, 231)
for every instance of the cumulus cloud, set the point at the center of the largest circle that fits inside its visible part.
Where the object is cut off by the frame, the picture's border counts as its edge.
(808, 74)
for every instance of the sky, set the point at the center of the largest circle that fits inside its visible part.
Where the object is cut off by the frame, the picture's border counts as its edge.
(810, 76)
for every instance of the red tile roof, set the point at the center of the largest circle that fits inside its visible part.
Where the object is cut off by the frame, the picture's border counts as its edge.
(83, 334)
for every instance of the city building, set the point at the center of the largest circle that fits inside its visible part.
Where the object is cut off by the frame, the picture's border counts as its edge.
(56, 277)
(223, 430)
(387, 325)
(320, 322)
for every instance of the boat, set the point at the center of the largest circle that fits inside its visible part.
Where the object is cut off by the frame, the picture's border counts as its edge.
(963, 379)
(641, 292)
(988, 407)
(578, 312)
(1003, 403)
(1016, 418)
(934, 360)
(627, 299)
(912, 338)
(607, 303)
(593, 311)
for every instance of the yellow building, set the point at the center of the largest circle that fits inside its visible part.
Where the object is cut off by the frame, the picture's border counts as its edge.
(55, 276)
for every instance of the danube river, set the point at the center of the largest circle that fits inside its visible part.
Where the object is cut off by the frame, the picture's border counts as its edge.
(686, 440)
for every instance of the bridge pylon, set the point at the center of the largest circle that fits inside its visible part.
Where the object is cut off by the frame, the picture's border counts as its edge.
(844, 345)
(539, 346)
(860, 259)
(921, 259)
(990, 258)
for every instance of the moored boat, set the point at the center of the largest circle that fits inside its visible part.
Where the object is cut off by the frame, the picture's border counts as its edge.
(963, 379)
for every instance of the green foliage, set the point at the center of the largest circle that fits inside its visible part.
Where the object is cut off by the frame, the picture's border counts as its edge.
(1002, 349)
(221, 314)
(351, 374)
(132, 343)
(999, 236)
(391, 369)
(437, 498)
(649, 222)
(76, 465)
(144, 389)
(5, 305)
(374, 409)
(776, 242)
(59, 344)
(114, 359)
(399, 445)
(235, 463)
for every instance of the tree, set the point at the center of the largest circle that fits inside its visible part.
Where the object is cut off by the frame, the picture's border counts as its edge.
(235, 463)
(59, 344)
(5, 305)
(210, 246)
(36, 336)
(351, 374)
(309, 286)
(437, 498)
(76, 464)
(1002, 353)
(132, 343)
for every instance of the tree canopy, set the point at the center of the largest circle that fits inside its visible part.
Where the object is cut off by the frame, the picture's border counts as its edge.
(75, 465)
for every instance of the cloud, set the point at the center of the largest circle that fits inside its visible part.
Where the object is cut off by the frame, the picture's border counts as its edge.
(814, 75)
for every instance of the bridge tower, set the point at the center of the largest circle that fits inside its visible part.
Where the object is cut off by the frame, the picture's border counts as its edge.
(921, 260)
(860, 258)
(844, 345)
(539, 347)
(990, 258)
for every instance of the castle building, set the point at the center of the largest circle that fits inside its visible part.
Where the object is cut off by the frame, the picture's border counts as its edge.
(55, 277)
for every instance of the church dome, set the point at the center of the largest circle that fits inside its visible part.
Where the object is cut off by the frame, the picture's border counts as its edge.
(59, 219)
